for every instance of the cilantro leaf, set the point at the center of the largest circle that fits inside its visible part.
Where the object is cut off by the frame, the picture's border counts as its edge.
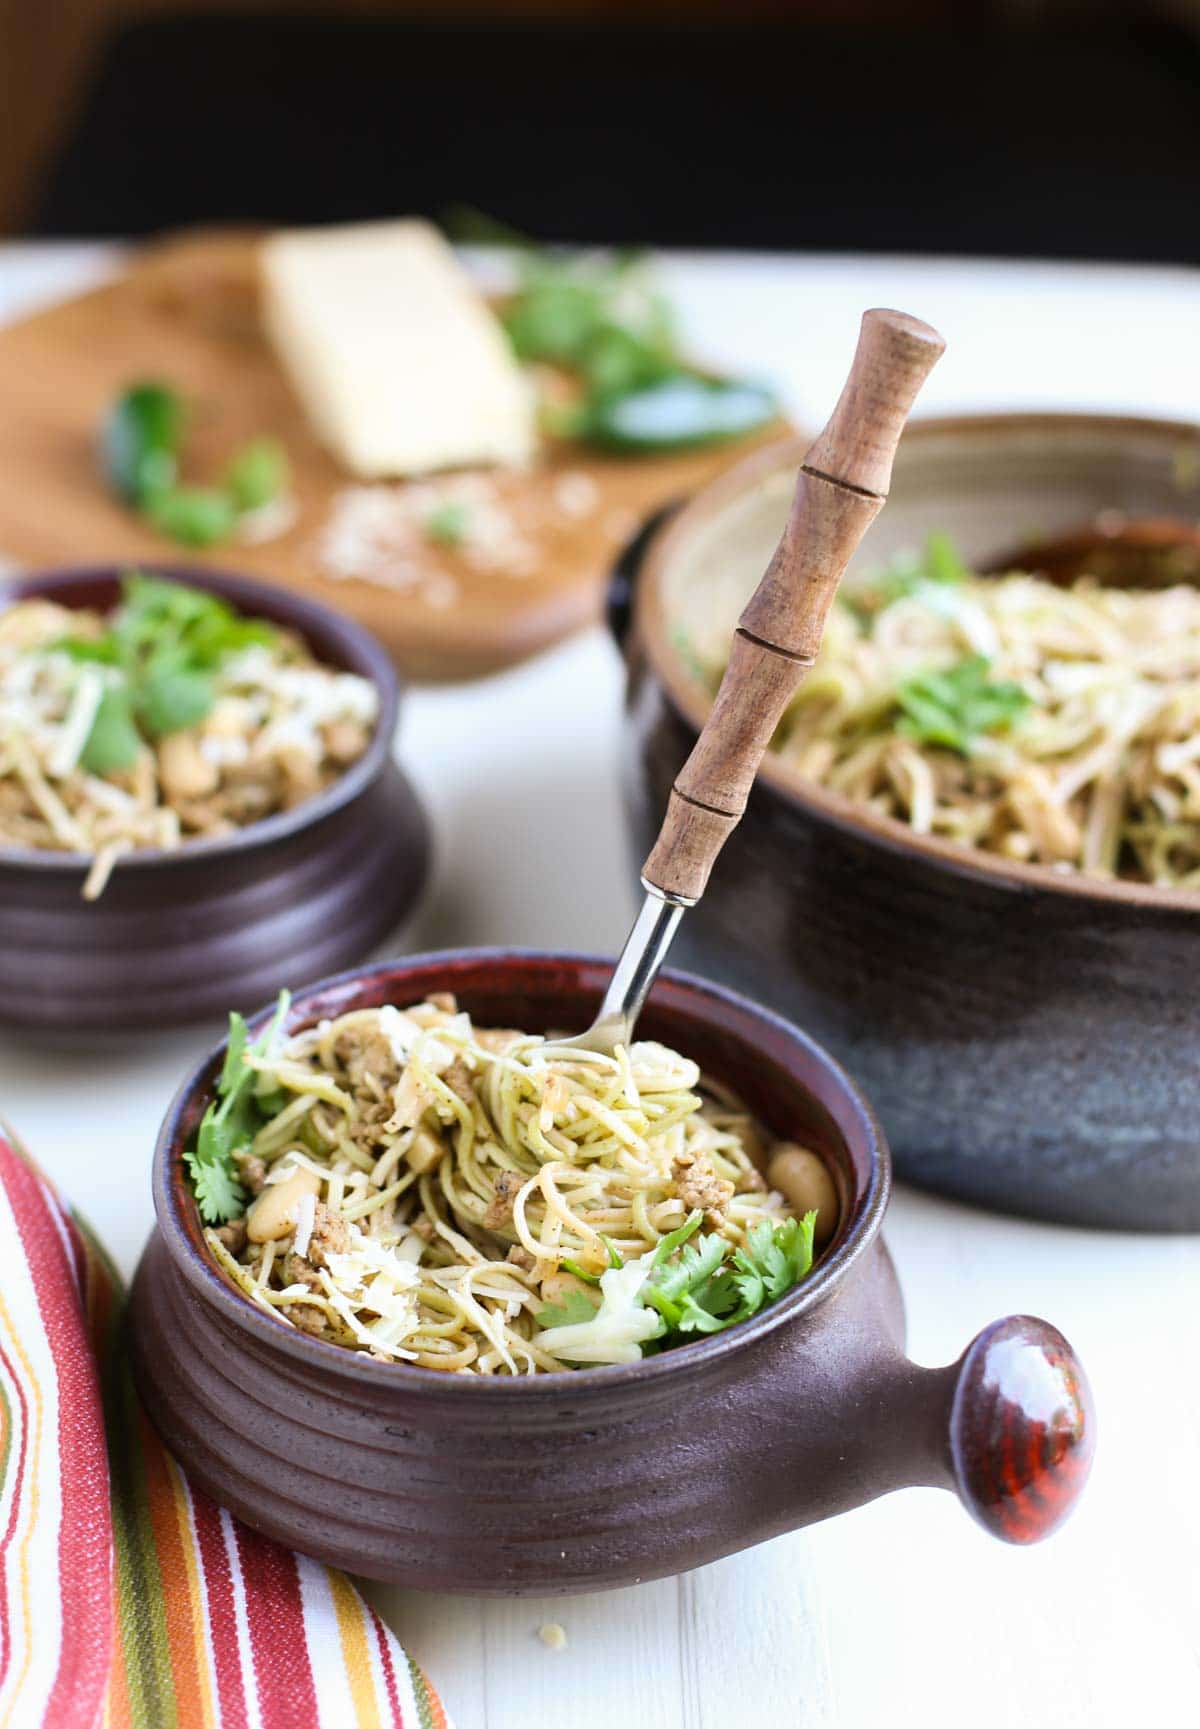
(599, 315)
(574, 1309)
(164, 642)
(235, 1051)
(943, 562)
(219, 1195)
(174, 701)
(450, 523)
(703, 1286)
(939, 565)
(795, 1236)
(771, 1261)
(955, 708)
(257, 474)
(113, 743)
(231, 1121)
(192, 515)
(675, 1239)
(679, 1288)
(97, 649)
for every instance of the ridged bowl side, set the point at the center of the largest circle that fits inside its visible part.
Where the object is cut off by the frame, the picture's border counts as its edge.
(191, 939)
(562, 1482)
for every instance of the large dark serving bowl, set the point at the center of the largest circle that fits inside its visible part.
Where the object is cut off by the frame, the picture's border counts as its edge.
(1029, 1038)
(580, 1480)
(216, 924)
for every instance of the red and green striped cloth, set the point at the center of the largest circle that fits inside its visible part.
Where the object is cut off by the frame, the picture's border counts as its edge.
(129, 1600)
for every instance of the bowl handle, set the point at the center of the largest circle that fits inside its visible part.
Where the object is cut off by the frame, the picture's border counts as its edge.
(1022, 1428)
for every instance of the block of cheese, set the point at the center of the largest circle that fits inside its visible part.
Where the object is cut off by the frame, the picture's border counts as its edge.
(401, 367)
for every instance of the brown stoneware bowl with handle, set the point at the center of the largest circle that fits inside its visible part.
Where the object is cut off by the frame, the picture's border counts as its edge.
(588, 1479)
(215, 924)
(1029, 1038)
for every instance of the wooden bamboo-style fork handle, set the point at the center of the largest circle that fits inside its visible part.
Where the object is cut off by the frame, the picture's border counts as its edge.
(841, 488)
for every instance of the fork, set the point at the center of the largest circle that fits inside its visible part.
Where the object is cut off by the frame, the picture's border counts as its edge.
(841, 487)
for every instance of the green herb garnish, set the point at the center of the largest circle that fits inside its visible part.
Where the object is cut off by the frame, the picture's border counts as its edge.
(957, 707)
(141, 442)
(773, 1260)
(114, 741)
(449, 523)
(257, 475)
(193, 515)
(691, 1291)
(163, 643)
(698, 1287)
(943, 561)
(600, 317)
(574, 1309)
(231, 1121)
(939, 565)
(174, 698)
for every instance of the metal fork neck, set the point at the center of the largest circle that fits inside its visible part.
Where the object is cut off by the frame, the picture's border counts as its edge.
(641, 959)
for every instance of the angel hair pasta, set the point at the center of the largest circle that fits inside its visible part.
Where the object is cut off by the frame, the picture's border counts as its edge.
(1054, 726)
(482, 1200)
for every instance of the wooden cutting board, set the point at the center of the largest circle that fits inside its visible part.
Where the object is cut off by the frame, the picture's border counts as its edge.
(186, 311)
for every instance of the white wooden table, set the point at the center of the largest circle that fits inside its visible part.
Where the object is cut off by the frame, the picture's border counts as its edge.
(902, 1612)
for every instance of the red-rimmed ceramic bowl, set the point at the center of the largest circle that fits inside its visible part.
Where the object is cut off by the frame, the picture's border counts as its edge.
(1028, 1037)
(601, 1477)
(216, 924)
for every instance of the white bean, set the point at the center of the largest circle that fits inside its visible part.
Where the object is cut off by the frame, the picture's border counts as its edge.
(273, 1214)
(805, 1184)
(184, 772)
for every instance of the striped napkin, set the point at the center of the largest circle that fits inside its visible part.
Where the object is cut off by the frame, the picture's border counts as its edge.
(128, 1599)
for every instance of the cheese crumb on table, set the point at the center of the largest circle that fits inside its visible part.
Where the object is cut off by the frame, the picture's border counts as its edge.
(383, 533)
(395, 535)
(552, 1634)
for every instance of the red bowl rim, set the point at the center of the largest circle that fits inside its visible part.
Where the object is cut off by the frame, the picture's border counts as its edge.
(684, 992)
(355, 649)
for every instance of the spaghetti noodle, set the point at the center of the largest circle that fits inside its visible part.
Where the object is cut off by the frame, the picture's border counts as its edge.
(171, 718)
(1055, 726)
(489, 1201)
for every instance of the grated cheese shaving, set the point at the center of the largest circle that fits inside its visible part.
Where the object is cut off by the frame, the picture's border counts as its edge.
(306, 1214)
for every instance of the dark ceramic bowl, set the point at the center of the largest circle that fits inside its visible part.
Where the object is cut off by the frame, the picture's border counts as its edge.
(581, 1480)
(1028, 1038)
(217, 924)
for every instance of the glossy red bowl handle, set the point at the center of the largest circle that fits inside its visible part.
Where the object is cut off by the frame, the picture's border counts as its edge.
(1022, 1429)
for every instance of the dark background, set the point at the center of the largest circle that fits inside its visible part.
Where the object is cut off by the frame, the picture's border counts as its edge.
(1028, 129)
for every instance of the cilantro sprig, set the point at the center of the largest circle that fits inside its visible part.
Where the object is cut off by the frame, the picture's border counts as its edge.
(231, 1121)
(163, 645)
(601, 317)
(939, 565)
(141, 449)
(957, 707)
(697, 1286)
(598, 315)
